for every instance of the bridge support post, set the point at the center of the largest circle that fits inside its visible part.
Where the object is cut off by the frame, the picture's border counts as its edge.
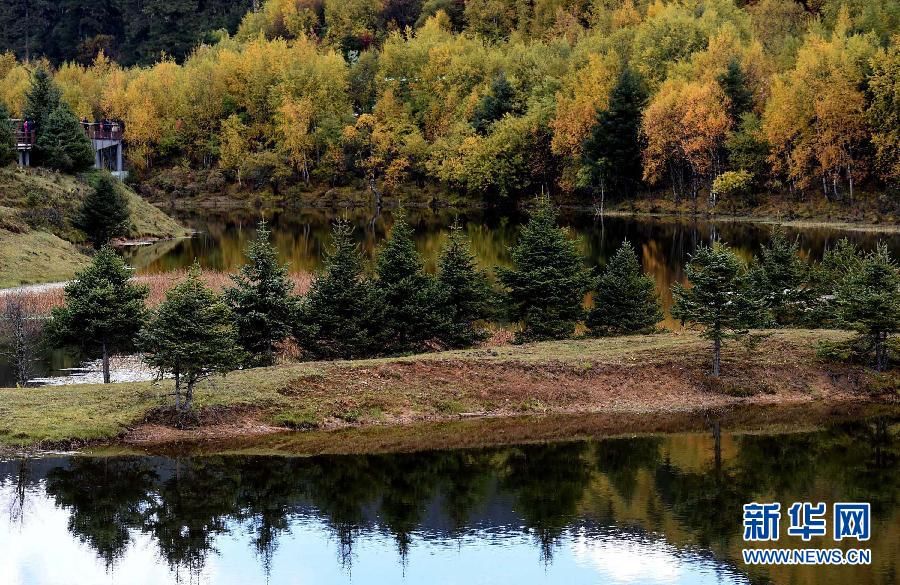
(119, 166)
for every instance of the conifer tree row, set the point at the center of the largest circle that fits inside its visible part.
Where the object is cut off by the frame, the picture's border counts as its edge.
(349, 314)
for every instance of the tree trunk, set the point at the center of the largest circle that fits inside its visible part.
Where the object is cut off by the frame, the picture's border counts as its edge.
(188, 397)
(880, 351)
(850, 179)
(105, 364)
(602, 196)
(717, 355)
(177, 389)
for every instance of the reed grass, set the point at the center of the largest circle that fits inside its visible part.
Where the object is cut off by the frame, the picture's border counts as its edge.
(41, 300)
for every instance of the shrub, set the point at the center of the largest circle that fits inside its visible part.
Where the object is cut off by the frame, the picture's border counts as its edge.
(732, 185)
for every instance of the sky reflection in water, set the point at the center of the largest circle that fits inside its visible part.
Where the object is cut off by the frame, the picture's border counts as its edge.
(647, 510)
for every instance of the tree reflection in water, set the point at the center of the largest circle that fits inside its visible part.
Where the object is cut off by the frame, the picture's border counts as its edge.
(691, 486)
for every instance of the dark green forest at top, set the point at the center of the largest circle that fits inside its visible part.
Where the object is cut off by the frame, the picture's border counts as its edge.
(129, 31)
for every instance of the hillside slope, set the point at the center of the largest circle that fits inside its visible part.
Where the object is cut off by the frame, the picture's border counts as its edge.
(38, 242)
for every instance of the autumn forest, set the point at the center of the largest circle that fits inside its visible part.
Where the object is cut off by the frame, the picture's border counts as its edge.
(499, 98)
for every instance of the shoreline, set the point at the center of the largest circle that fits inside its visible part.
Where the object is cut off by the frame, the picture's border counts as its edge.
(799, 224)
(885, 224)
(475, 432)
(627, 382)
(497, 431)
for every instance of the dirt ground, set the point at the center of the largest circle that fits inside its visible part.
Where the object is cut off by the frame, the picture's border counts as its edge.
(482, 385)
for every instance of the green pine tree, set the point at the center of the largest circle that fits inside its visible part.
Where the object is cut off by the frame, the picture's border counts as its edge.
(612, 153)
(62, 144)
(103, 310)
(336, 316)
(747, 147)
(41, 99)
(626, 300)
(468, 293)
(104, 214)
(261, 299)
(546, 288)
(868, 299)
(192, 336)
(409, 302)
(780, 281)
(494, 104)
(825, 279)
(734, 84)
(719, 299)
(7, 138)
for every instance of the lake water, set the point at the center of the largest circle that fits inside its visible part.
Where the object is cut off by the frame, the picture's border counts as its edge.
(662, 509)
(302, 236)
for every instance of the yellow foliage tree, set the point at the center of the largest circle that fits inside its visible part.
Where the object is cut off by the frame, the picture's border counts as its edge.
(587, 91)
(234, 148)
(684, 126)
(295, 120)
(815, 118)
(15, 80)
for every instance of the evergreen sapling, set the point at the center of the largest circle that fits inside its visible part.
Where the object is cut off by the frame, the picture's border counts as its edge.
(468, 293)
(546, 286)
(336, 317)
(103, 312)
(626, 300)
(719, 299)
(261, 300)
(192, 336)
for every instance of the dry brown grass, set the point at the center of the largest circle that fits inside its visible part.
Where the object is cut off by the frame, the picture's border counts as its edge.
(40, 301)
(636, 375)
(218, 281)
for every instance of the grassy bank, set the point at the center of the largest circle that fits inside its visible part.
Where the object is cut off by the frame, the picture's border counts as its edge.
(37, 240)
(640, 375)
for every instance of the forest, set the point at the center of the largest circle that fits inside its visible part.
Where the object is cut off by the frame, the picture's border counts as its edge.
(130, 31)
(498, 98)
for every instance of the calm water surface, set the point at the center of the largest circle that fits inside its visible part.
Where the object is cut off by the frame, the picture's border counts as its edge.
(655, 509)
(302, 236)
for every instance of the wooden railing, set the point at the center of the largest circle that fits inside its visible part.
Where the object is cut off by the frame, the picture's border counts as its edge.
(101, 131)
(94, 131)
(25, 139)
